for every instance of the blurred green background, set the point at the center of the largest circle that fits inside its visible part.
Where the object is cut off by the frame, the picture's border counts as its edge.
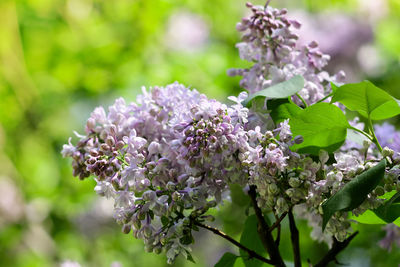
(61, 58)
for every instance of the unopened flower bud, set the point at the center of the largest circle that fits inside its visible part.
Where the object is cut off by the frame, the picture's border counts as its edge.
(171, 186)
(147, 231)
(379, 191)
(91, 123)
(119, 145)
(126, 228)
(388, 187)
(113, 130)
(273, 189)
(148, 247)
(104, 147)
(367, 143)
(149, 195)
(94, 153)
(294, 182)
(137, 223)
(298, 139)
(110, 141)
(157, 249)
(212, 203)
(387, 152)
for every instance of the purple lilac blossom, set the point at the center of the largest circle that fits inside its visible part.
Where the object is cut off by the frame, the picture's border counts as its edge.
(170, 157)
(165, 161)
(270, 41)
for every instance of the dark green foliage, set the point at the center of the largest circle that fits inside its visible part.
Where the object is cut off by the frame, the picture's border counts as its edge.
(354, 192)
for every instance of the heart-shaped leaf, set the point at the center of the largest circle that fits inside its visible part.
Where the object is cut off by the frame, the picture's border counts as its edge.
(280, 90)
(368, 100)
(354, 192)
(322, 126)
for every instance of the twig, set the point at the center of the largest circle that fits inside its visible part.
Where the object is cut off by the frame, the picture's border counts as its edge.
(251, 253)
(264, 233)
(278, 236)
(337, 247)
(266, 4)
(277, 222)
(294, 236)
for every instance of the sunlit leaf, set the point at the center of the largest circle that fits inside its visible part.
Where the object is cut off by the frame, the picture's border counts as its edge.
(322, 126)
(284, 111)
(368, 100)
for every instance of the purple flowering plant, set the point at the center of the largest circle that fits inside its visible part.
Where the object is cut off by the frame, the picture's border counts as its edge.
(172, 155)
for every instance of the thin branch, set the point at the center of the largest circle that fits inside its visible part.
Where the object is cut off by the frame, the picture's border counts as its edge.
(251, 253)
(337, 247)
(266, 4)
(278, 236)
(277, 222)
(264, 233)
(294, 236)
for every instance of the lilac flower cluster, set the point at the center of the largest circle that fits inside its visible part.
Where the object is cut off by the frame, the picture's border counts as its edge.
(171, 156)
(272, 168)
(165, 161)
(270, 42)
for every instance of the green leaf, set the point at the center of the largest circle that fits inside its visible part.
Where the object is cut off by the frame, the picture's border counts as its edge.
(251, 240)
(334, 87)
(189, 257)
(390, 210)
(283, 112)
(164, 220)
(368, 217)
(354, 192)
(323, 126)
(368, 100)
(227, 260)
(280, 90)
